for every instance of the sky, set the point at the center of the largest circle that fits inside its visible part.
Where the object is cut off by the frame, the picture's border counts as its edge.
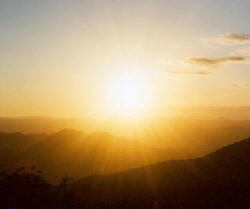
(65, 58)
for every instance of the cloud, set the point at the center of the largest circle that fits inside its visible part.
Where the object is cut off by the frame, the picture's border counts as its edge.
(189, 72)
(211, 62)
(242, 52)
(241, 85)
(235, 85)
(231, 38)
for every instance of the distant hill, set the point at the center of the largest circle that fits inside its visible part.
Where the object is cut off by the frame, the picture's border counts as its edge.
(12, 144)
(195, 136)
(218, 180)
(80, 154)
(77, 154)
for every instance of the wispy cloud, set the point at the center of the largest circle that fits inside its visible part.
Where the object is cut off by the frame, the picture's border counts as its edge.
(231, 38)
(211, 62)
(241, 85)
(235, 85)
(183, 67)
(242, 52)
(189, 72)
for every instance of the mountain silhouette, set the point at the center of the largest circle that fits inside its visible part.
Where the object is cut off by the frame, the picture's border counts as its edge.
(74, 153)
(218, 180)
(194, 137)
(80, 154)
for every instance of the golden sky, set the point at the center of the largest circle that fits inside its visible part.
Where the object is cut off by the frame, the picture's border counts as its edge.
(107, 58)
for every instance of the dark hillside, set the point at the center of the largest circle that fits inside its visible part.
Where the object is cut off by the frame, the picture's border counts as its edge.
(218, 180)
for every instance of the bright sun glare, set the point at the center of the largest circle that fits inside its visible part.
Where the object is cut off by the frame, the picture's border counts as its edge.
(127, 96)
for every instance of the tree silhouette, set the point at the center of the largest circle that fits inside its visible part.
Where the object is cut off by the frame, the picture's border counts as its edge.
(25, 188)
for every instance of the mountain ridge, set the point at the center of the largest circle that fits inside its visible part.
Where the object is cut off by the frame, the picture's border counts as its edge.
(217, 180)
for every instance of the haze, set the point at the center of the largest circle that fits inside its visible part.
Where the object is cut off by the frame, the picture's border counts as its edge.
(64, 58)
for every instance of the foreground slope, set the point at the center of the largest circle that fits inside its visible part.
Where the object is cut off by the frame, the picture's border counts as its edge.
(218, 180)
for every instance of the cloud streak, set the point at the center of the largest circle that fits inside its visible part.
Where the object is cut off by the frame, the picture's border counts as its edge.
(231, 38)
(242, 52)
(211, 62)
(189, 72)
(241, 85)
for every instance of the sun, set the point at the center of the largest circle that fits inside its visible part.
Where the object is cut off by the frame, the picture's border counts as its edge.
(127, 96)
